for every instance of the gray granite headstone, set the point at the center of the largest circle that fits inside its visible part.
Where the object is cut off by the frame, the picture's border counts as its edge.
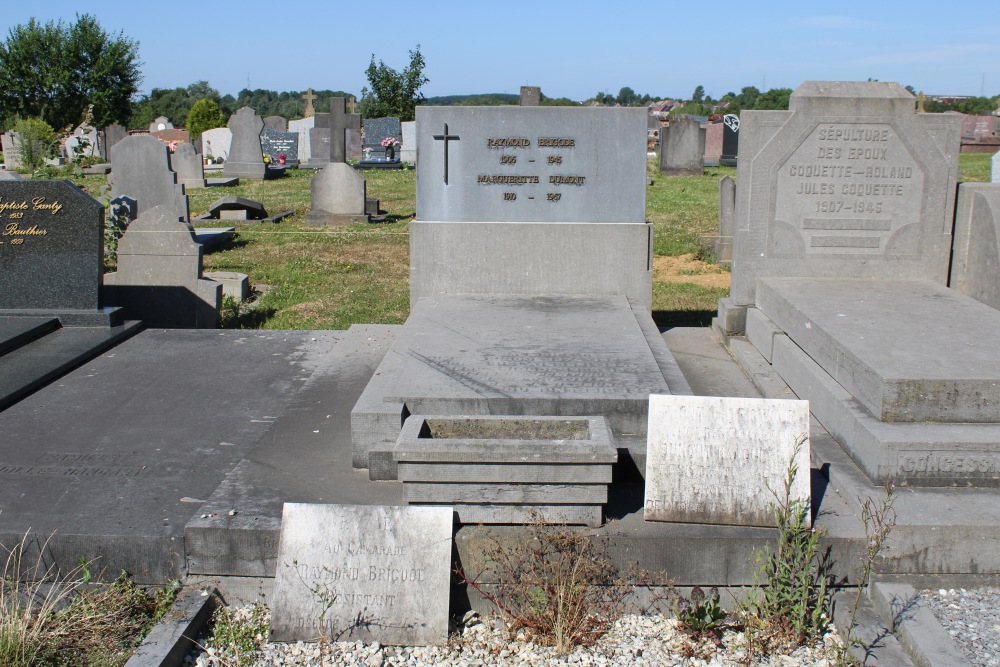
(11, 152)
(363, 573)
(160, 124)
(319, 140)
(723, 246)
(408, 151)
(187, 164)
(353, 143)
(216, 142)
(337, 195)
(302, 127)
(340, 123)
(377, 129)
(975, 264)
(51, 247)
(712, 460)
(850, 181)
(112, 135)
(275, 144)
(246, 159)
(141, 171)
(276, 123)
(730, 140)
(995, 168)
(682, 151)
(531, 96)
(552, 167)
(159, 277)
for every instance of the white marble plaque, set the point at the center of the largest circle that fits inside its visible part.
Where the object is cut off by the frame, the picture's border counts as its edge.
(716, 460)
(356, 572)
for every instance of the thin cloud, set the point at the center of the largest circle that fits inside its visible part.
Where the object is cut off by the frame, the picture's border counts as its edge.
(834, 22)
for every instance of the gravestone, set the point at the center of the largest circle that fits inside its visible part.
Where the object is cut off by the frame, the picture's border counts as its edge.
(7, 175)
(353, 143)
(160, 124)
(112, 135)
(276, 123)
(730, 140)
(722, 245)
(408, 150)
(302, 127)
(531, 96)
(682, 151)
(275, 144)
(246, 159)
(717, 460)
(340, 122)
(975, 265)
(140, 170)
(51, 251)
(337, 196)
(188, 166)
(82, 143)
(216, 142)
(159, 277)
(377, 129)
(319, 141)
(995, 168)
(309, 97)
(713, 144)
(11, 151)
(363, 573)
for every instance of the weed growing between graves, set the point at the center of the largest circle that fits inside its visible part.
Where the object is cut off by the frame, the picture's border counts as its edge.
(789, 601)
(239, 632)
(703, 616)
(555, 585)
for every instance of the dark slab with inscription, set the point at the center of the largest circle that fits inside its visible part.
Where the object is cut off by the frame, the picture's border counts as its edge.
(113, 461)
(730, 140)
(51, 252)
(386, 569)
(377, 129)
(275, 144)
(511, 355)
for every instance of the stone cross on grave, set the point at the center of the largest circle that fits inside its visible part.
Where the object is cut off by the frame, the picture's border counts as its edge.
(446, 138)
(353, 104)
(309, 97)
(340, 122)
(921, 98)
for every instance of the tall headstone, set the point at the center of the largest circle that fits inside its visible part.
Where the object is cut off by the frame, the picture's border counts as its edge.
(713, 144)
(112, 135)
(682, 151)
(246, 159)
(531, 96)
(309, 97)
(337, 196)
(975, 263)
(82, 143)
(140, 170)
(216, 142)
(340, 122)
(995, 168)
(714, 460)
(730, 140)
(276, 123)
(722, 245)
(319, 140)
(188, 166)
(160, 124)
(377, 129)
(302, 127)
(408, 151)
(51, 251)
(363, 573)
(159, 277)
(11, 150)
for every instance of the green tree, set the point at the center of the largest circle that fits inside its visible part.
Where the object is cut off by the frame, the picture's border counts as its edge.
(748, 97)
(776, 98)
(204, 115)
(627, 97)
(55, 70)
(394, 93)
(698, 95)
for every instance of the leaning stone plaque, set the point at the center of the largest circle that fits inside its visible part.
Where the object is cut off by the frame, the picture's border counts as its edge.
(369, 573)
(721, 460)
(531, 164)
(51, 247)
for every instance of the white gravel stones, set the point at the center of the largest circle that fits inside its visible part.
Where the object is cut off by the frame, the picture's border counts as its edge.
(972, 618)
(652, 641)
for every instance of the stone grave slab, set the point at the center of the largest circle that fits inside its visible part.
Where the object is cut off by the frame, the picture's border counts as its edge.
(337, 196)
(716, 460)
(141, 172)
(160, 124)
(683, 148)
(864, 334)
(8, 175)
(510, 355)
(216, 142)
(494, 470)
(408, 149)
(188, 166)
(340, 122)
(276, 123)
(531, 96)
(975, 263)
(275, 144)
(302, 127)
(730, 140)
(350, 573)
(237, 208)
(377, 129)
(995, 168)
(110, 136)
(246, 159)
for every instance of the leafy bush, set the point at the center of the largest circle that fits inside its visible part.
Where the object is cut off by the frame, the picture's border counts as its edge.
(36, 140)
(205, 115)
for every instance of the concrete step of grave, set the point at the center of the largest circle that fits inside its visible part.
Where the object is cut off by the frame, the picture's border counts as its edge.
(18, 331)
(506, 494)
(585, 515)
(54, 354)
(908, 351)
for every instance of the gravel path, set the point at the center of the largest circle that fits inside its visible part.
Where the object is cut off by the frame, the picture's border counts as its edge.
(653, 641)
(972, 618)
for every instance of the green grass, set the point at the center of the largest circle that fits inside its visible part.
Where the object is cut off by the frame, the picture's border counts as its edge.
(330, 278)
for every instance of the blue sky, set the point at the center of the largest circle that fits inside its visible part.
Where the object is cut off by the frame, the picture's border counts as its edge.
(570, 49)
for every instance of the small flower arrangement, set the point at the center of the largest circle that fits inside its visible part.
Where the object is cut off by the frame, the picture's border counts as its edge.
(390, 141)
(172, 146)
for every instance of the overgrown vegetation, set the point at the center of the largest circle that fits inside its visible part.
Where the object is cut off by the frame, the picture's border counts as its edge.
(50, 618)
(239, 631)
(555, 585)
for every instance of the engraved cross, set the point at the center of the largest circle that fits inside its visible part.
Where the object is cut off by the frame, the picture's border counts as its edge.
(446, 138)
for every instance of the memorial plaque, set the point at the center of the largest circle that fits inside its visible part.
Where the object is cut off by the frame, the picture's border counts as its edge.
(51, 246)
(531, 164)
(716, 460)
(369, 573)
(275, 144)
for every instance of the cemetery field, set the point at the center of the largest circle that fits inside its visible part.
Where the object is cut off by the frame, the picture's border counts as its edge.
(330, 278)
